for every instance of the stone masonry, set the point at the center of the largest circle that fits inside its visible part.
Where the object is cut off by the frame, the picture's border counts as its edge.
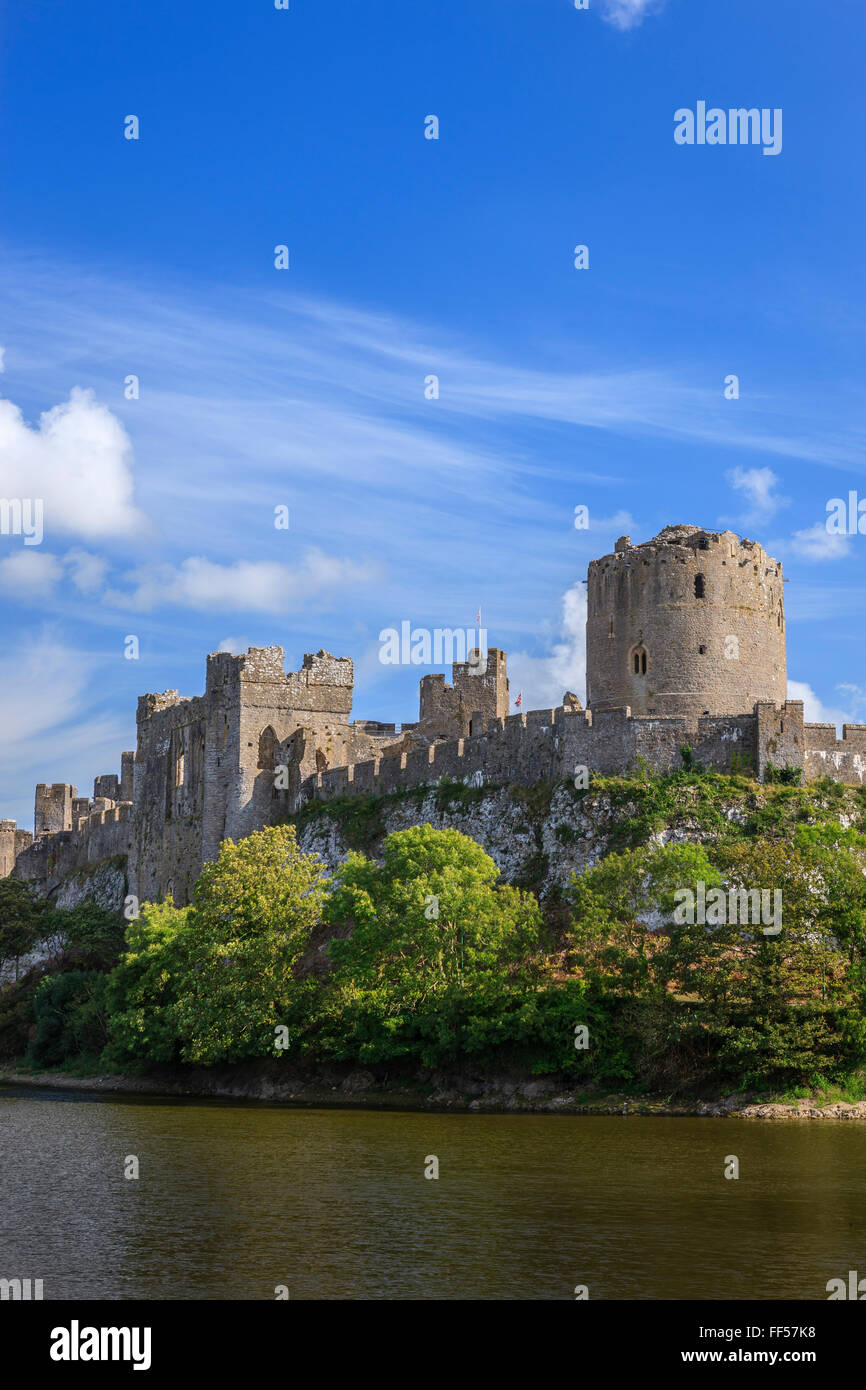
(685, 645)
(690, 623)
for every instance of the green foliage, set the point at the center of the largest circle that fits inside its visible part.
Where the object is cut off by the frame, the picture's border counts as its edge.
(252, 916)
(71, 1016)
(434, 946)
(535, 799)
(428, 958)
(646, 807)
(451, 793)
(142, 990)
(689, 762)
(20, 921)
(361, 819)
(93, 936)
(725, 999)
(16, 1019)
(787, 776)
(91, 940)
(742, 764)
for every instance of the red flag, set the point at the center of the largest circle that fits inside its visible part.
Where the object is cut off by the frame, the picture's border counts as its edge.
(478, 618)
(519, 700)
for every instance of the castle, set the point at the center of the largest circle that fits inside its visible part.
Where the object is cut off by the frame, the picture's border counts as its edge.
(685, 644)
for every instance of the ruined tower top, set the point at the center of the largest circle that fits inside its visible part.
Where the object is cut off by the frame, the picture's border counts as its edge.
(689, 623)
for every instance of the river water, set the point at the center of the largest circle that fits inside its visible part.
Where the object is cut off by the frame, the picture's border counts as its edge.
(234, 1201)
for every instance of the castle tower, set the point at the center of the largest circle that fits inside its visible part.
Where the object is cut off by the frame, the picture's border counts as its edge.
(478, 693)
(106, 785)
(689, 623)
(252, 704)
(8, 830)
(53, 808)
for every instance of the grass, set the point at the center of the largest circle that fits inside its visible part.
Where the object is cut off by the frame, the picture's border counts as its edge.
(639, 806)
(85, 1065)
(847, 1092)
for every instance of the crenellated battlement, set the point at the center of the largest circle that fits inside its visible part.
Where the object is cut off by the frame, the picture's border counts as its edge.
(843, 759)
(552, 744)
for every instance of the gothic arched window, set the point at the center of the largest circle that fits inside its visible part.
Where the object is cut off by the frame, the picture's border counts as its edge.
(267, 749)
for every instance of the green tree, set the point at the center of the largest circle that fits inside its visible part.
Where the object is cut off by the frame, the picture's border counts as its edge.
(724, 996)
(434, 944)
(616, 906)
(620, 945)
(21, 916)
(93, 936)
(253, 913)
(71, 1016)
(142, 990)
(787, 1005)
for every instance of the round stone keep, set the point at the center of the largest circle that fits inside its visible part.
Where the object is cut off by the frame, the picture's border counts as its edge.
(690, 623)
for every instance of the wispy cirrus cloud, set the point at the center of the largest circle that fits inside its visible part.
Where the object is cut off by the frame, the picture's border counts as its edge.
(627, 14)
(52, 732)
(758, 486)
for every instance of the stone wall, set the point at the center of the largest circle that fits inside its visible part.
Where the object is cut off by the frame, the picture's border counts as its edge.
(843, 759)
(168, 795)
(106, 787)
(127, 776)
(48, 861)
(689, 623)
(204, 768)
(551, 746)
(781, 736)
(252, 707)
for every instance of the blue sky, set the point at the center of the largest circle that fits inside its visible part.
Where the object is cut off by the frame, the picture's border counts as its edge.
(410, 257)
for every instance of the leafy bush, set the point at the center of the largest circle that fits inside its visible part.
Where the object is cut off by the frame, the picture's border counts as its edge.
(787, 776)
(71, 1016)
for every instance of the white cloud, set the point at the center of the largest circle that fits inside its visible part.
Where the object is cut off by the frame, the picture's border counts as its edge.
(235, 645)
(260, 586)
(30, 574)
(817, 543)
(758, 486)
(87, 572)
(40, 686)
(856, 696)
(35, 574)
(626, 14)
(814, 709)
(78, 461)
(545, 679)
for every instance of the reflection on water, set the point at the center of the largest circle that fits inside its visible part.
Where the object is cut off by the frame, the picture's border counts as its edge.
(233, 1201)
